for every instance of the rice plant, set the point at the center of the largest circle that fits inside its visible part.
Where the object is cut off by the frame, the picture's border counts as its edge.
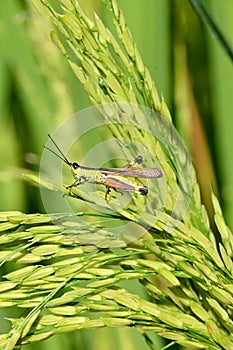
(67, 269)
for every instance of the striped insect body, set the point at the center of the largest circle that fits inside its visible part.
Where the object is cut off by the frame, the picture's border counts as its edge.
(112, 178)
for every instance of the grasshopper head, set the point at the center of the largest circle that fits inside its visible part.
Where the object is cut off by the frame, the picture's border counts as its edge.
(74, 166)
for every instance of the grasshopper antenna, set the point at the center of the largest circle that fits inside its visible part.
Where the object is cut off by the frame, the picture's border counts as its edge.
(61, 155)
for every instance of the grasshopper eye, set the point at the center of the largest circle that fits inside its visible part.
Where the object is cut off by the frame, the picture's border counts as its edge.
(75, 166)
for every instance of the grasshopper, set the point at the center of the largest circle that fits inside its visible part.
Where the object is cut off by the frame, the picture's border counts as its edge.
(111, 178)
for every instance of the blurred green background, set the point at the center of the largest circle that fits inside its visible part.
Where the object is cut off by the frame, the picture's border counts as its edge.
(38, 91)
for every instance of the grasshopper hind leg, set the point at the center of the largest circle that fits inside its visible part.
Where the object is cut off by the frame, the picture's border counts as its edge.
(136, 161)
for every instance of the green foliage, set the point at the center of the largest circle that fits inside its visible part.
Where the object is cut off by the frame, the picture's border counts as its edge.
(69, 287)
(71, 276)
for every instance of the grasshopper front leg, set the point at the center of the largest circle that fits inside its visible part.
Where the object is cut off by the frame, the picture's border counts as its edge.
(79, 181)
